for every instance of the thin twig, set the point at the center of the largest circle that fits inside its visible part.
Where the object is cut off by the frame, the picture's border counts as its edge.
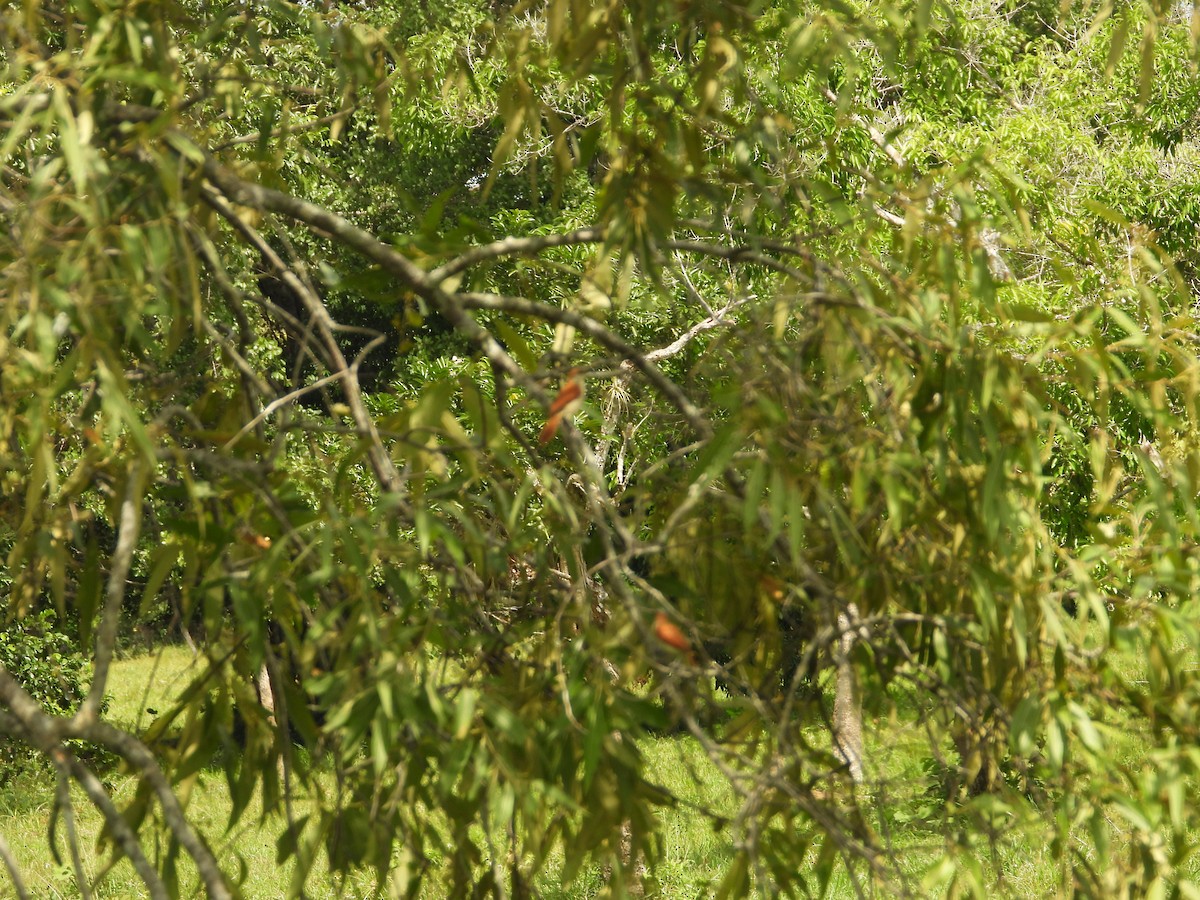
(258, 197)
(603, 336)
(381, 462)
(280, 402)
(738, 253)
(514, 246)
(299, 128)
(716, 320)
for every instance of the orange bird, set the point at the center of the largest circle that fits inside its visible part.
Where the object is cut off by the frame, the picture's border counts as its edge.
(565, 405)
(668, 632)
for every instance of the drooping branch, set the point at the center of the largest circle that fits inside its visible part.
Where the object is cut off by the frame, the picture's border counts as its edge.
(10, 861)
(6, 855)
(120, 829)
(46, 732)
(139, 756)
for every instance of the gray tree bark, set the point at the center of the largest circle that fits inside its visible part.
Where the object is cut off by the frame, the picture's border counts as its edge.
(847, 701)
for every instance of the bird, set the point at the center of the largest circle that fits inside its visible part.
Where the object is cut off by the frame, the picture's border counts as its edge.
(671, 635)
(565, 405)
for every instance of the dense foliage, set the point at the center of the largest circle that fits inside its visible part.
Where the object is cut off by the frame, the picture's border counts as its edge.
(50, 669)
(886, 316)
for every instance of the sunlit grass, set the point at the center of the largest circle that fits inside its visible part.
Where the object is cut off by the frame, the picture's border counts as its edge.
(902, 807)
(143, 685)
(140, 687)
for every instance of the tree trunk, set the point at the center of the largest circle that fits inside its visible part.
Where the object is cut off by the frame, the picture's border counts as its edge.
(847, 701)
(266, 696)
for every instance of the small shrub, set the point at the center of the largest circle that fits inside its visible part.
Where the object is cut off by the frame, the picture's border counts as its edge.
(45, 662)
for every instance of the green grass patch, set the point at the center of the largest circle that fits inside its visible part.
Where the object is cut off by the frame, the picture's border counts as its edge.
(902, 807)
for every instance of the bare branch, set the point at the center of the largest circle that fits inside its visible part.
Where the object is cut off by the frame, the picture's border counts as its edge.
(603, 336)
(455, 306)
(501, 403)
(300, 128)
(239, 361)
(874, 133)
(690, 289)
(279, 403)
(890, 217)
(738, 253)
(515, 246)
(381, 461)
(235, 298)
(716, 320)
(46, 732)
(91, 785)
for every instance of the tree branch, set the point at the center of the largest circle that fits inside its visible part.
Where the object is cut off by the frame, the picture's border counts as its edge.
(280, 402)
(716, 320)
(381, 461)
(515, 246)
(603, 336)
(738, 253)
(139, 756)
(257, 197)
(120, 829)
(46, 732)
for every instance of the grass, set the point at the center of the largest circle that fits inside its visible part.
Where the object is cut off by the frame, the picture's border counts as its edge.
(900, 807)
(137, 685)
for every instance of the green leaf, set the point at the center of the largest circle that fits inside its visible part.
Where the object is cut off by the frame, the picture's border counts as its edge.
(71, 140)
(939, 875)
(379, 746)
(18, 130)
(717, 453)
(185, 147)
(1085, 728)
(164, 560)
(516, 344)
(1026, 723)
(464, 712)
(736, 882)
(751, 506)
(1116, 45)
(1107, 213)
